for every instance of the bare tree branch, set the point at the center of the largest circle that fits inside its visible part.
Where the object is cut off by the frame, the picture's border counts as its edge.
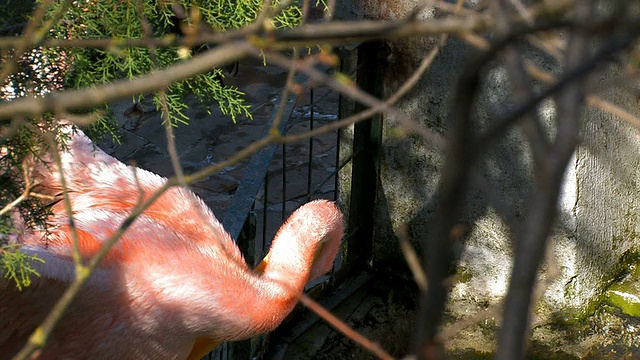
(523, 90)
(531, 242)
(345, 329)
(86, 98)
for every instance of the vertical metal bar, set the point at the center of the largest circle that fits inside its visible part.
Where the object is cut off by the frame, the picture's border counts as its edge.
(337, 177)
(338, 132)
(257, 256)
(265, 203)
(284, 181)
(309, 168)
(367, 140)
(346, 108)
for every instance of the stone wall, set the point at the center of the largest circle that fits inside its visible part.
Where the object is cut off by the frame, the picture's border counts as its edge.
(597, 224)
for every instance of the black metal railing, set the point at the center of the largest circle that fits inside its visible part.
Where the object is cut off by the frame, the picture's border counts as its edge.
(282, 177)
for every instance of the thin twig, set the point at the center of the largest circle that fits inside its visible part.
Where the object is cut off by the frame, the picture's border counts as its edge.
(454, 329)
(289, 84)
(40, 335)
(358, 95)
(412, 259)
(100, 94)
(28, 37)
(615, 44)
(68, 206)
(462, 153)
(334, 32)
(340, 325)
(522, 87)
(523, 11)
(380, 106)
(531, 241)
(592, 100)
(171, 143)
(28, 185)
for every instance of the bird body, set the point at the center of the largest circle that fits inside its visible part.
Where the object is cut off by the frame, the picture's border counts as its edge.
(174, 285)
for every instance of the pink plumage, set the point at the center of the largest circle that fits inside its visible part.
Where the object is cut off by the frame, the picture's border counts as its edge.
(174, 286)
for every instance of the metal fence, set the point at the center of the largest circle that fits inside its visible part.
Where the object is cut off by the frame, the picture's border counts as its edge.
(282, 177)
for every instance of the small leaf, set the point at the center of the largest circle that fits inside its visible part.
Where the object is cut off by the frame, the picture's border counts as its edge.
(343, 79)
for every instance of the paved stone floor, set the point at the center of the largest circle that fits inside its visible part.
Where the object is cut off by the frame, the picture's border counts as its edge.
(209, 139)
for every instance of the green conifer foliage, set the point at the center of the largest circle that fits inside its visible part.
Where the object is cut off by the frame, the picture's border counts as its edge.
(41, 70)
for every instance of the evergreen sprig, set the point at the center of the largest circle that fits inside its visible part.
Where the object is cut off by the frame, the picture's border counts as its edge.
(116, 19)
(43, 70)
(17, 266)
